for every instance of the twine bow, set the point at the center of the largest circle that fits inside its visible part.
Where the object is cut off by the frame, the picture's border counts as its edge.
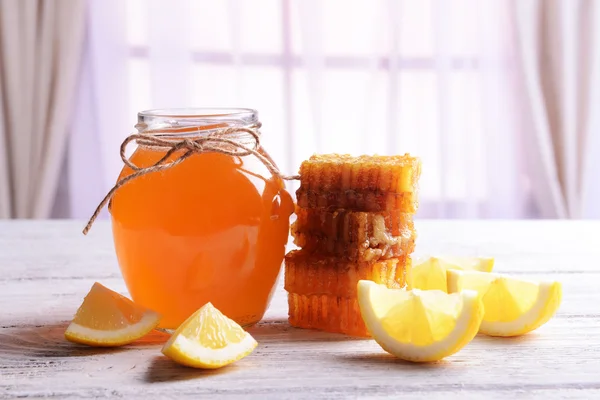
(225, 141)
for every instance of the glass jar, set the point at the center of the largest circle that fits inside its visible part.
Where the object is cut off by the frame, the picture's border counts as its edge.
(212, 228)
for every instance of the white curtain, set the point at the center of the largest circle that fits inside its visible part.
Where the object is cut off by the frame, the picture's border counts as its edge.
(459, 83)
(558, 44)
(40, 54)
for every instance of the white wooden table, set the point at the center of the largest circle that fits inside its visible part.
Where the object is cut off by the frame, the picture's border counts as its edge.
(46, 267)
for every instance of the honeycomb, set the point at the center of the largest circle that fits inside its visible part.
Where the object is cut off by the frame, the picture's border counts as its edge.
(364, 183)
(327, 313)
(309, 274)
(358, 200)
(356, 236)
(340, 172)
(355, 222)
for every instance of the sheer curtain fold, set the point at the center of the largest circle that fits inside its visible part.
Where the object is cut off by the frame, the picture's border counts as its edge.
(558, 53)
(170, 53)
(591, 160)
(6, 187)
(310, 14)
(101, 120)
(442, 34)
(40, 55)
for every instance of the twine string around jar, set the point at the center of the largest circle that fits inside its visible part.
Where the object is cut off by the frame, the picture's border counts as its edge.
(225, 141)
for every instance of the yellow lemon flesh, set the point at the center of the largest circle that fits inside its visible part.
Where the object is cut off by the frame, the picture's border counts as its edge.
(513, 306)
(105, 318)
(418, 325)
(208, 339)
(430, 273)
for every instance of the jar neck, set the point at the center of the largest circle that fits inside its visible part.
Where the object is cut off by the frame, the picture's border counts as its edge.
(194, 120)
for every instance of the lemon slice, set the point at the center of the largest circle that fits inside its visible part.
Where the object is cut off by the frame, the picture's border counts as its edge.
(419, 325)
(430, 273)
(105, 318)
(208, 339)
(512, 306)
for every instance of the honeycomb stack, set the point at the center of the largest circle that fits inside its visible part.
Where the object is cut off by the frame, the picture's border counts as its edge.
(354, 221)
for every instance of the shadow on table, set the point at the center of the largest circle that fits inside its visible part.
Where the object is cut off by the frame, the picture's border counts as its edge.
(281, 330)
(162, 369)
(509, 341)
(48, 341)
(385, 359)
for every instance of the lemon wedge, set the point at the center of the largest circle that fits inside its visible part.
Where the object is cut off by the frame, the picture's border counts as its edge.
(208, 339)
(513, 306)
(430, 273)
(105, 318)
(418, 325)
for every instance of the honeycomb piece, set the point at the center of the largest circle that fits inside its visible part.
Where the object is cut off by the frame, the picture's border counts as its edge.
(356, 236)
(341, 172)
(358, 200)
(309, 274)
(327, 313)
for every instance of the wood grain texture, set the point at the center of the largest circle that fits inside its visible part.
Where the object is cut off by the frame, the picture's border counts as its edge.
(47, 267)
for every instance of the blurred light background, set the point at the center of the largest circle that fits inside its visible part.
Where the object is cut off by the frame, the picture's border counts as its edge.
(499, 98)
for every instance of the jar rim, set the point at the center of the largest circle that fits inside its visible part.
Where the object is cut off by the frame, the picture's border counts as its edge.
(165, 118)
(199, 112)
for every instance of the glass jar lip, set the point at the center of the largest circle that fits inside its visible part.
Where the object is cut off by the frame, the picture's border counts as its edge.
(195, 116)
(199, 112)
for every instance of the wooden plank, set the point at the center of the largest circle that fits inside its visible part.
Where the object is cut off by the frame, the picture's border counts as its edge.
(61, 297)
(46, 250)
(291, 360)
(47, 267)
(518, 246)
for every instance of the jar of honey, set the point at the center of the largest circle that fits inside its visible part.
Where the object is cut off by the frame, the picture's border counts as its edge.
(213, 227)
